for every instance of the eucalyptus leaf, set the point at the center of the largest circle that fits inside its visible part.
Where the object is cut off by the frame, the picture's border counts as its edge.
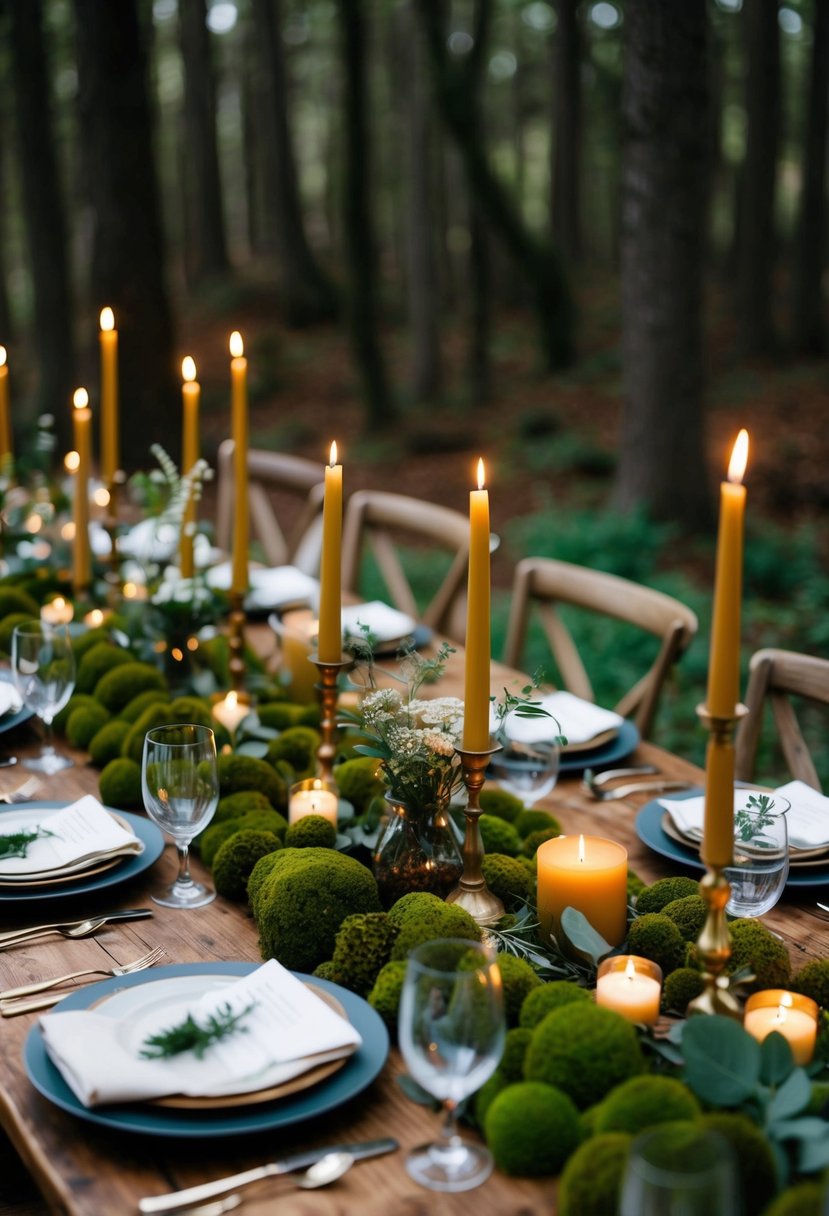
(722, 1061)
(253, 729)
(808, 1127)
(792, 1096)
(253, 747)
(582, 936)
(814, 1156)
(776, 1059)
(365, 750)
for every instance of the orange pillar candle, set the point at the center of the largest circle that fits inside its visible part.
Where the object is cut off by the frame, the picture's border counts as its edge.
(478, 655)
(5, 416)
(588, 873)
(108, 340)
(724, 660)
(190, 393)
(82, 424)
(330, 640)
(632, 986)
(239, 431)
(790, 1014)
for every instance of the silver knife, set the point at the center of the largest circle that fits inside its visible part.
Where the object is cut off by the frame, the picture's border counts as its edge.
(126, 914)
(175, 1200)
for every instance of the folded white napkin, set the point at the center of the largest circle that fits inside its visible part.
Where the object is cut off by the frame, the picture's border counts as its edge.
(152, 540)
(580, 720)
(807, 821)
(288, 1030)
(387, 624)
(269, 587)
(9, 699)
(82, 831)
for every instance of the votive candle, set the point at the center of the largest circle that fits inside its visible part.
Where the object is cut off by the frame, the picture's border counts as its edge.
(788, 1013)
(632, 986)
(312, 797)
(588, 873)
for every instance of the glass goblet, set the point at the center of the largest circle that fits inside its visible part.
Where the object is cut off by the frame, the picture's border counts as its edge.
(760, 867)
(451, 1027)
(678, 1171)
(180, 787)
(528, 761)
(43, 667)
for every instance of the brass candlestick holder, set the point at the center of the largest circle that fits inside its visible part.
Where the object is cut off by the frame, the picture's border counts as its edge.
(714, 942)
(327, 691)
(236, 642)
(472, 893)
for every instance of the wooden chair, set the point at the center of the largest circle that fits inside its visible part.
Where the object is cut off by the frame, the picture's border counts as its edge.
(271, 474)
(549, 583)
(775, 676)
(381, 520)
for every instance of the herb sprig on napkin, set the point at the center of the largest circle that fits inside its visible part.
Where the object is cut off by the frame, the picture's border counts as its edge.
(190, 1036)
(16, 844)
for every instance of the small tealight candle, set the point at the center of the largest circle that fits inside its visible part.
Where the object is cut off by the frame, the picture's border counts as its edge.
(790, 1014)
(587, 873)
(632, 986)
(230, 712)
(57, 612)
(94, 618)
(313, 797)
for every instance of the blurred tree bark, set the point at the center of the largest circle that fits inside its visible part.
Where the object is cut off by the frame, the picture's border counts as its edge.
(567, 131)
(810, 249)
(756, 235)
(306, 295)
(204, 227)
(479, 363)
(535, 258)
(43, 215)
(5, 307)
(127, 266)
(361, 255)
(664, 188)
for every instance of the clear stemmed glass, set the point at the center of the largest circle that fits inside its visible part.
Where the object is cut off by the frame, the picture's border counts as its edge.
(180, 787)
(761, 857)
(527, 764)
(451, 1035)
(43, 667)
(677, 1171)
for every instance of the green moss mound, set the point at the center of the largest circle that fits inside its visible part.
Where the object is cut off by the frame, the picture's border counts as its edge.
(264, 820)
(813, 980)
(192, 709)
(120, 784)
(97, 661)
(234, 805)
(208, 842)
(519, 980)
(535, 821)
(7, 627)
(515, 1053)
(14, 600)
(359, 781)
(553, 995)
(755, 1160)
(77, 700)
(531, 1129)
(635, 887)
(665, 891)
(752, 945)
(258, 877)
(133, 710)
(642, 1102)
(153, 716)
(361, 950)
(117, 688)
(413, 906)
(584, 1049)
(445, 920)
(235, 859)
(326, 971)
(298, 746)
(487, 1094)
(247, 773)
(805, 1199)
(591, 1182)
(84, 723)
(105, 744)
(656, 937)
(680, 988)
(508, 879)
(385, 995)
(500, 803)
(688, 914)
(311, 831)
(533, 842)
(499, 836)
(280, 715)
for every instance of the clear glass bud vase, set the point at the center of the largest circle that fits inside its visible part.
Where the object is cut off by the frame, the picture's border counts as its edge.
(416, 851)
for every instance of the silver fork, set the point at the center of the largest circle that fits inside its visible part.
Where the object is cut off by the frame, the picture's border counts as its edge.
(23, 792)
(8, 1003)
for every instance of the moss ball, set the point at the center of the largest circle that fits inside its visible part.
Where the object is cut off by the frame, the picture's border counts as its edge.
(105, 744)
(500, 803)
(499, 836)
(591, 1181)
(487, 1094)
(208, 842)
(755, 1159)
(234, 805)
(635, 886)
(385, 995)
(813, 980)
(508, 879)
(584, 1049)
(97, 661)
(531, 1129)
(515, 1053)
(117, 688)
(84, 643)
(519, 980)
(259, 877)
(311, 831)
(13, 599)
(550, 996)
(413, 906)
(75, 702)
(688, 914)
(8, 624)
(656, 937)
(445, 920)
(680, 988)
(133, 710)
(153, 716)
(642, 1102)
(280, 715)
(298, 745)
(120, 784)
(264, 820)
(248, 773)
(359, 780)
(533, 842)
(805, 1199)
(752, 945)
(84, 723)
(326, 971)
(362, 948)
(665, 891)
(192, 709)
(236, 858)
(535, 821)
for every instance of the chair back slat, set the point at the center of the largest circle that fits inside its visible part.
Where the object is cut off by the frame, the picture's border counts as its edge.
(774, 677)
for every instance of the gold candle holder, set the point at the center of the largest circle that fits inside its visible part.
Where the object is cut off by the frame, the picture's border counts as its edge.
(236, 641)
(472, 893)
(327, 691)
(714, 942)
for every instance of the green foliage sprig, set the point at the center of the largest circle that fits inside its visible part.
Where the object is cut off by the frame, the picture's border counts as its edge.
(549, 961)
(523, 706)
(190, 1036)
(16, 844)
(750, 820)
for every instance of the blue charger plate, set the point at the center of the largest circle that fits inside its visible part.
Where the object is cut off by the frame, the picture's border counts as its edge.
(358, 1072)
(9, 721)
(617, 748)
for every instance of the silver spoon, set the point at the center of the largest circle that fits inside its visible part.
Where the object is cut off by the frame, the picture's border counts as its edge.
(325, 1171)
(217, 1208)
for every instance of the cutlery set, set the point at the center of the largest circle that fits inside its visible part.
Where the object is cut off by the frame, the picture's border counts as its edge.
(594, 783)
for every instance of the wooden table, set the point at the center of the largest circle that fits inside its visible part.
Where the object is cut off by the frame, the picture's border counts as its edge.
(89, 1171)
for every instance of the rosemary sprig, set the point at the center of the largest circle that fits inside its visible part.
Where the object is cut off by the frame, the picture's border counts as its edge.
(190, 1036)
(16, 844)
(750, 820)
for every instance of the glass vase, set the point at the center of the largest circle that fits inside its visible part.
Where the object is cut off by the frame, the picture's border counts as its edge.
(416, 851)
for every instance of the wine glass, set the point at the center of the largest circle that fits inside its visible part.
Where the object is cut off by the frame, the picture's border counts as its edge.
(43, 667)
(679, 1171)
(529, 758)
(451, 1029)
(180, 787)
(760, 867)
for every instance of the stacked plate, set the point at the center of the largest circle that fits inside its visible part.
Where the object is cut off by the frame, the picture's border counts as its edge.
(595, 736)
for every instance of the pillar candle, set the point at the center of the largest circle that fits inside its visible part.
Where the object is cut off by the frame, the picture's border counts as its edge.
(790, 1014)
(230, 712)
(312, 797)
(6, 448)
(82, 424)
(632, 986)
(330, 641)
(108, 339)
(57, 611)
(587, 873)
(239, 430)
(190, 392)
(477, 658)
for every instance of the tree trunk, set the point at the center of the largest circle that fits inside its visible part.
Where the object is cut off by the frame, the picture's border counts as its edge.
(809, 318)
(44, 215)
(127, 264)
(756, 255)
(665, 159)
(362, 288)
(566, 160)
(306, 294)
(204, 225)
(480, 366)
(5, 307)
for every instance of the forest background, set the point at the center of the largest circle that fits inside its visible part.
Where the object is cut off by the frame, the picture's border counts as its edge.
(584, 239)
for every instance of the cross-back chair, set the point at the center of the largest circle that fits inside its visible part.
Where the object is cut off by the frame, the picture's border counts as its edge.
(272, 474)
(546, 583)
(774, 677)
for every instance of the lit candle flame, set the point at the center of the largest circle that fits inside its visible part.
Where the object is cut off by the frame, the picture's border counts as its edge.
(581, 848)
(107, 319)
(317, 784)
(188, 369)
(739, 458)
(94, 618)
(630, 970)
(231, 700)
(71, 461)
(101, 497)
(2, 356)
(332, 459)
(481, 473)
(80, 399)
(237, 346)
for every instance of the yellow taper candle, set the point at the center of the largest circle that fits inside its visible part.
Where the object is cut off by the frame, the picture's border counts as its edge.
(478, 642)
(190, 393)
(239, 431)
(6, 448)
(330, 640)
(108, 339)
(82, 424)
